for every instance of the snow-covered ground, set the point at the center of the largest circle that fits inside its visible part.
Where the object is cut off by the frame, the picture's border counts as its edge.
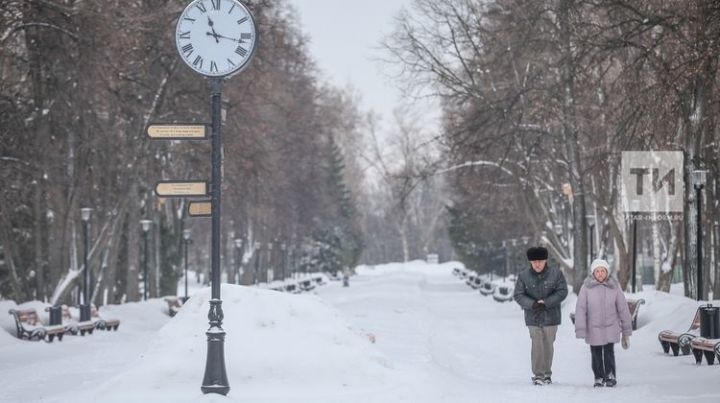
(435, 340)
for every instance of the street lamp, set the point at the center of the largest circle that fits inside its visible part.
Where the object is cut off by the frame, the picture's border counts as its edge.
(257, 262)
(188, 242)
(591, 224)
(269, 265)
(238, 257)
(283, 248)
(145, 227)
(634, 211)
(85, 307)
(699, 178)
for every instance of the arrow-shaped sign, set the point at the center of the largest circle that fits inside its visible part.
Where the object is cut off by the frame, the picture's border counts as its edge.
(200, 209)
(182, 189)
(162, 131)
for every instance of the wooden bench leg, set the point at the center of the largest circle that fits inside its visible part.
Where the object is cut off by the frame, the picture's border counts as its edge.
(675, 349)
(665, 346)
(60, 336)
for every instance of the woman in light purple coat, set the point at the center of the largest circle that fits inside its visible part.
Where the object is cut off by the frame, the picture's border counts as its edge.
(601, 317)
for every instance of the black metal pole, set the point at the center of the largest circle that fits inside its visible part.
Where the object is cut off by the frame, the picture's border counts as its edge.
(85, 262)
(215, 379)
(238, 256)
(634, 262)
(698, 197)
(592, 246)
(187, 243)
(145, 265)
(256, 272)
(85, 307)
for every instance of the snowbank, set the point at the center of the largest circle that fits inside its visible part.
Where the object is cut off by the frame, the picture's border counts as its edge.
(297, 341)
(415, 267)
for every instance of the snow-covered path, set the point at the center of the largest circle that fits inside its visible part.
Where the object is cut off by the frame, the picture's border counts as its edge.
(449, 342)
(436, 341)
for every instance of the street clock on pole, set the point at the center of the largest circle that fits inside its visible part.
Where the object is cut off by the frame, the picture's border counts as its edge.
(216, 38)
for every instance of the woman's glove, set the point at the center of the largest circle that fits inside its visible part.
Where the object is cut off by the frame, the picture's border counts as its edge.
(625, 342)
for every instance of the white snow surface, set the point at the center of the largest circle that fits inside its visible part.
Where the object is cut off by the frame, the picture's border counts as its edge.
(436, 340)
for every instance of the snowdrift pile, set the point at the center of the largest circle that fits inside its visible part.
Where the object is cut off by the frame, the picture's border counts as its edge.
(273, 339)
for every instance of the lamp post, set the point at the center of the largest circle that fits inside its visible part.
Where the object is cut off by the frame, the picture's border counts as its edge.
(699, 177)
(188, 242)
(269, 266)
(257, 263)
(635, 209)
(591, 225)
(85, 307)
(145, 227)
(283, 248)
(238, 257)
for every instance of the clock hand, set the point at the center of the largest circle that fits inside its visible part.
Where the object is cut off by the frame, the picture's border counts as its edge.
(223, 37)
(214, 34)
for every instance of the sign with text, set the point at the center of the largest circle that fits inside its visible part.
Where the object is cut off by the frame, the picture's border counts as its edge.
(181, 189)
(200, 209)
(177, 132)
(652, 181)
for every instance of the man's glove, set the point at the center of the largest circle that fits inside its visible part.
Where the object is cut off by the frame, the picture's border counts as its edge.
(625, 342)
(537, 307)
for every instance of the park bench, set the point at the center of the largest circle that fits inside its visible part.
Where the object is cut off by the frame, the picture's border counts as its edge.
(103, 323)
(174, 305)
(29, 327)
(476, 283)
(319, 280)
(503, 293)
(709, 347)
(307, 285)
(487, 288)
(64, 318)
(633, 306)
(470, 279)
(292, 288)
(680, 342)
(456, 271)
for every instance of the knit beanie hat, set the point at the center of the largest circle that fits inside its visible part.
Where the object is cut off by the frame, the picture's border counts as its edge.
(537, 253)
(599, 263)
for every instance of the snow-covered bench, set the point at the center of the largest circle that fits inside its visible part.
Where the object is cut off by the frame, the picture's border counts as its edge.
(60, 315)
(174, 305)
(633, 305)
(103, 323)
(29, 327)
(503, 293)
(488, 288)
(292, 288)
(319, 280)
(307, 285)
(709, 347)
(680, 342)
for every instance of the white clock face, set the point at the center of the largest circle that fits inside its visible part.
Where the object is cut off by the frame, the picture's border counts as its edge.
(216, 37)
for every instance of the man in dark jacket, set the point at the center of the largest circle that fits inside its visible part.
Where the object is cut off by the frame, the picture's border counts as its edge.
(539, 291)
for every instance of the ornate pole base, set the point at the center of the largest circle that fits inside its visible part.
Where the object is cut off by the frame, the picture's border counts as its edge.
(215, 380)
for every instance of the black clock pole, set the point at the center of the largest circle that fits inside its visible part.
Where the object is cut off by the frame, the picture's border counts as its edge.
(215, 380)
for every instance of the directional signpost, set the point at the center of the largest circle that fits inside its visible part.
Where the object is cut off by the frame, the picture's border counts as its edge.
(161, 131)
(181, 189)
(217, 39)
(200, 209)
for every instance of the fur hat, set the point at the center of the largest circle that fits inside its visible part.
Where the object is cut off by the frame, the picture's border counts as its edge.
(537, 253)
(599, 263)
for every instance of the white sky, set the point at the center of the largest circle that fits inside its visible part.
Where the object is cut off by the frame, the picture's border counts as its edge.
(345, 42)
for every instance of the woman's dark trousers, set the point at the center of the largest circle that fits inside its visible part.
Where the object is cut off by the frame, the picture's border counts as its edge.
(603, 361)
